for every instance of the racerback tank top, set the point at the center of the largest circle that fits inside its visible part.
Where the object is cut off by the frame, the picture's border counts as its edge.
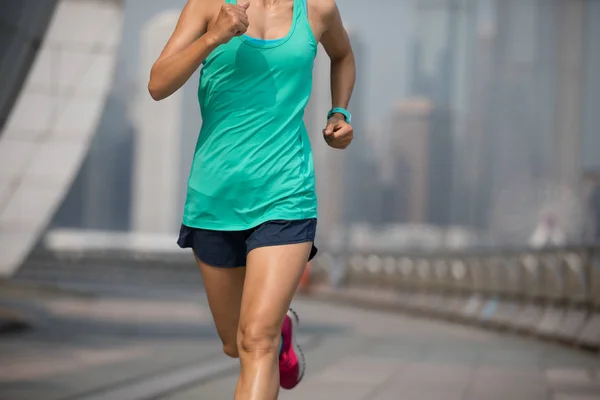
(253, 161)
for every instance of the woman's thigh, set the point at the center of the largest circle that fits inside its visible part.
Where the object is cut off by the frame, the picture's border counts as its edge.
(272, 277)
(224, 287)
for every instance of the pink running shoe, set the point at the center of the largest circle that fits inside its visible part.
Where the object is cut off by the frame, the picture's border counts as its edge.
(291, 358)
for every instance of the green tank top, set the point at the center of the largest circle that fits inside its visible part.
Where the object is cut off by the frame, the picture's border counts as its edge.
(253, 161)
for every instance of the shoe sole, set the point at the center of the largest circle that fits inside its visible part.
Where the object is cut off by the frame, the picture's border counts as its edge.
(297, 349)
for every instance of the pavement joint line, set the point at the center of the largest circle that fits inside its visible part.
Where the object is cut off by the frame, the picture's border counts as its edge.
(91, 392)
(158, 385)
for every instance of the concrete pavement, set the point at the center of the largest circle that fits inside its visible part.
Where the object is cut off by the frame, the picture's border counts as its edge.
(160, 345)
(367, 355)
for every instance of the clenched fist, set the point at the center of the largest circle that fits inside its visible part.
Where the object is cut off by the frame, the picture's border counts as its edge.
(231, 21)
(338, 133)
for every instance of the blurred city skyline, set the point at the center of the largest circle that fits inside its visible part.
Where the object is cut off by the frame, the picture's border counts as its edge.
(468, 113)
(459, 236)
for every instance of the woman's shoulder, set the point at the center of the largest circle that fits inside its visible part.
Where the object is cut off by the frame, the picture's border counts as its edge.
(323, 8)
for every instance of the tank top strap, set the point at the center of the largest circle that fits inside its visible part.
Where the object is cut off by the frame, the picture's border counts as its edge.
(301, 17)
(301, 8)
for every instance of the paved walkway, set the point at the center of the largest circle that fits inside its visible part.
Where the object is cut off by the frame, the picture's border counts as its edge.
(375, 356)
(130, 346)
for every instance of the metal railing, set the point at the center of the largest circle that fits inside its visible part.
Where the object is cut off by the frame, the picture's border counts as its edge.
(553, 292)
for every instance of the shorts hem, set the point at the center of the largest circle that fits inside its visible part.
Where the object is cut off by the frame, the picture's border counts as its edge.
(283, 243)
(215, 265)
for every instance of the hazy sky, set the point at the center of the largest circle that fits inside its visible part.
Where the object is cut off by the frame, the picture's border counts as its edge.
(382, 25)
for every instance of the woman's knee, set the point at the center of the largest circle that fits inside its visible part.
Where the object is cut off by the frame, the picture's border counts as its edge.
(258, 338)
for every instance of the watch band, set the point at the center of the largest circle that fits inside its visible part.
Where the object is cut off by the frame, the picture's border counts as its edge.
(342, 111)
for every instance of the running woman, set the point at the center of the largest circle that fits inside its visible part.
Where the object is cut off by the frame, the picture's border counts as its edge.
(251, 208)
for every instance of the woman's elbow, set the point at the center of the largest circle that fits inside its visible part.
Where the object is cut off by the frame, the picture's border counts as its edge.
(155, 88)
(155, 94)
(155, 91)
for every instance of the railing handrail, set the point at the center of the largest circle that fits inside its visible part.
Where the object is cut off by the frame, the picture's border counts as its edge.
(470, 252)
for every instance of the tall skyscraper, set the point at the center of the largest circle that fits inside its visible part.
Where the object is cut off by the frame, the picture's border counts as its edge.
(591, 118)
(422, 164)
(411, 143)
(157, 165)
(570, 92)
(472, 183)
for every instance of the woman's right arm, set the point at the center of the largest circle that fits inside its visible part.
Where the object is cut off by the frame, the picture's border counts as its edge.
(187, 47)
(190, 44)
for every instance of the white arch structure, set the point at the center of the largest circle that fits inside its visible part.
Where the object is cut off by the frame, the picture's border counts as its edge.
(56, 114)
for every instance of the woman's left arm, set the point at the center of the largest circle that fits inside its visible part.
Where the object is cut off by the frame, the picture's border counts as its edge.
(335, 41)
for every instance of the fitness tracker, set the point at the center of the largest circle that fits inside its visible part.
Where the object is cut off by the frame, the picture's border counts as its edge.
(342, 111)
